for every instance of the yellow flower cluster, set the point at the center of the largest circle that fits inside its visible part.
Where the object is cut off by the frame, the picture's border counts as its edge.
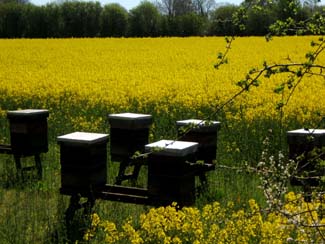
(296, 222)
(155, 75)
(109, 228)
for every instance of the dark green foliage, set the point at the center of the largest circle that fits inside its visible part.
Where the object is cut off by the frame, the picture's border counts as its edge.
(113, 20)
(191, 24)
(144, 20)
(221, 21)
(35, 22)
(11, 20)
(80, 19)
(165, 18)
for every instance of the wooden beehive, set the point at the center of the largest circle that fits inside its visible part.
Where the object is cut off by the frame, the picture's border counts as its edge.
(129, 132)
(83, 158)
(28, 131)
(301, 142)
(203, 132)
(170, 177)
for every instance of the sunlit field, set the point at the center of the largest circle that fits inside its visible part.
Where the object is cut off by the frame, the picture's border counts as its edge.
(81, 81)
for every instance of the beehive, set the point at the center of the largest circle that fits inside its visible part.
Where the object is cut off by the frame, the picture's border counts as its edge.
(170, 177)
(28, 131)
(203, 132)
(129, 132)
(83, 158)
(300, 143)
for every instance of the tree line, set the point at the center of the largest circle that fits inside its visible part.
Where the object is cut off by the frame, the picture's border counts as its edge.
(21, 19)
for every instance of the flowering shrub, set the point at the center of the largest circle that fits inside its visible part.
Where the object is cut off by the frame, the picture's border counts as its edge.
(274, 172)
(297, 222)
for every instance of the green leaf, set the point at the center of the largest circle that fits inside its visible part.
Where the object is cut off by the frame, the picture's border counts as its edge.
(299, 73)
(256, 83)
(279, 105)
(279, 89)
(252, 71)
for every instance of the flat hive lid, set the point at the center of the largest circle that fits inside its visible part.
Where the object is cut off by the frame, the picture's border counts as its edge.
(130, 120)
(199, 125)
(304, 132)
(172, 148)
(83, 138)
(301, 136)
(27, 113)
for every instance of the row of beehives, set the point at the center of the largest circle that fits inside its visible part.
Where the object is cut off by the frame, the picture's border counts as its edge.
(172, 166)
(83, 155)
(171, 169)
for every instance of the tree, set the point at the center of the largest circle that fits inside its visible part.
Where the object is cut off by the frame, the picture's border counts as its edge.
(80, 19)
(11, 20)
(91, 19)
(71, 19)
(287, 9)
(183, 7)
(113, 20)
(144, 20)
(259, 20)
(53, 20)
(191, 24)
(34, 18)
(174, 8)
(15, 1)
(221, 21)
(166, 7)
(203, 7)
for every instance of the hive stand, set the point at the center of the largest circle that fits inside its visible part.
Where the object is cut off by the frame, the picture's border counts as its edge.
(206, 134)
(129, 133)
(170, 177)
(83, 158)
(83, 173)
(28, 137)
(301, 142)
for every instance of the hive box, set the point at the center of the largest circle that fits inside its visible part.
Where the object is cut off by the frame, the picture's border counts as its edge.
(129, 132)
(203, 132)
(301, 142)
(28, 131)
(170, 176)
(83, 158)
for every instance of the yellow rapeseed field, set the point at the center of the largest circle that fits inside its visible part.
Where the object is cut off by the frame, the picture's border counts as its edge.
(151, 74)
(297, 222)
(80, 81)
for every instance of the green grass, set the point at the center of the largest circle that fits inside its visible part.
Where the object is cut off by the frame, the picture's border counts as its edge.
(32, 211)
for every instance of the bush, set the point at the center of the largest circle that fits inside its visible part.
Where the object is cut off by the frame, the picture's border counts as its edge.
(297, 221)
